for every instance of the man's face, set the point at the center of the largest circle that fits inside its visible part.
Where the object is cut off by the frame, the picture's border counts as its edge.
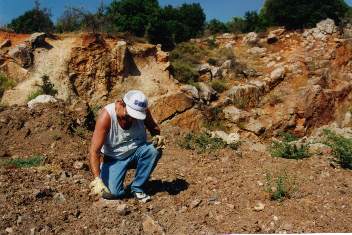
(125, 117)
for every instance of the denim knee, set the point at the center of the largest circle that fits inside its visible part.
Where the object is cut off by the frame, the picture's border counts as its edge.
(153, 152)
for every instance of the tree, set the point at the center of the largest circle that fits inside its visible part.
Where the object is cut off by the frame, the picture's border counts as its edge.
(192, 16)
(133, 15)
(71, 20)
(295, 14)
(35, 20)
(215, 26)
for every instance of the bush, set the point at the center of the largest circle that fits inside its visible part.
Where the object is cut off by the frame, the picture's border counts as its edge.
(287, 149)
(215, 26)
(184, 72)
(202, 142)
(214, 119)
(5, 83)
(302, 13)
(218, 85)
(35, 20)
(341, 147)
(33, 161)
(47, 87)
(280, 187)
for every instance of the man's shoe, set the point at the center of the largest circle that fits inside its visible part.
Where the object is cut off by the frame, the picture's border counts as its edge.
(142, 197)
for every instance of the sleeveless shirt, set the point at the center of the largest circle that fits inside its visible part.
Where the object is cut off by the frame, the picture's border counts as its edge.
(120, 143)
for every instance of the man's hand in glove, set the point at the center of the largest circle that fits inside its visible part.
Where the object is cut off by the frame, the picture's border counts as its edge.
(159, 142)
(97, 187)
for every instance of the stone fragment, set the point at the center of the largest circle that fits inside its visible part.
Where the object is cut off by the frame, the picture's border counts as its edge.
(152, 227)
(41, 99)
(259, 206)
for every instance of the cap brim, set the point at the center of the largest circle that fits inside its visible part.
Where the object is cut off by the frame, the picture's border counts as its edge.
(135, 114)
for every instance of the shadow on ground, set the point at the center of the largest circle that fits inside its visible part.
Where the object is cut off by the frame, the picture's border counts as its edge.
(172, 188)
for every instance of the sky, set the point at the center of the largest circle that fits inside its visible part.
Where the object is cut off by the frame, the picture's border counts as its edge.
(222, 10)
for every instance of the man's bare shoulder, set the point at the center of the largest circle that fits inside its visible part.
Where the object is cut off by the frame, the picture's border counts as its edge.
(103, 120)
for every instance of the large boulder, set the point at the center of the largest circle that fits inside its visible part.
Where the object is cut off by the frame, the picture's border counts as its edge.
(235, 115)
(22, 55)
(6, 43)
(36, 40)
(190, 91)
(322, 30)
(251, 38)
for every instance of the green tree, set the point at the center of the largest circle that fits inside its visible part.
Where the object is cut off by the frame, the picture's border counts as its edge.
(133, 15)
(215, 26)
(295, 14)
(35, 20)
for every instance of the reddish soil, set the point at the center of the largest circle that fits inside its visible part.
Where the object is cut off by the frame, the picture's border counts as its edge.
(192, 193)
(14, 37)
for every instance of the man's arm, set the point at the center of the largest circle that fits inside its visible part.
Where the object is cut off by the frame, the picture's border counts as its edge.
(102, 127)
(151, 125)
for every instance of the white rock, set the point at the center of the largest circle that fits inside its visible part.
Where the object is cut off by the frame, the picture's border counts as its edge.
(259, 206)
(257, 51)
(250, 38)
(277, 73)
(41, 99)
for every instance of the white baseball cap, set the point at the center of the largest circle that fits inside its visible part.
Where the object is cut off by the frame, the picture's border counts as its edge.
(136, 104)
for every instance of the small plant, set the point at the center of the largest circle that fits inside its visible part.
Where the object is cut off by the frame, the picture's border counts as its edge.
(212, 42)
(275, 99)
(218, 85)
(214, 119)
(280, 187)
(34, 94)
(33, 161)
(184, 72)
(341, 148)
(202, 142)
(80, 131)
(287, 149)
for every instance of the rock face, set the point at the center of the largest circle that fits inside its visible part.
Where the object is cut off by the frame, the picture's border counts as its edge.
(206, 93)
(168, 106)
(119, 56)
(22, 55)
(321, 31)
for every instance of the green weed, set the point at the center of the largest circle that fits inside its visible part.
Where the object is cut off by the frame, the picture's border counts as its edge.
(287, 149)
(5, 83)
(202, 142)
(219, 86)
(33, 161)
(280, 186)
(34, 94)
(341, 148)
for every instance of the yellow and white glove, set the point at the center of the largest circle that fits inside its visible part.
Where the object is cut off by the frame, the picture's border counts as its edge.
(159, 142)
(97, 187)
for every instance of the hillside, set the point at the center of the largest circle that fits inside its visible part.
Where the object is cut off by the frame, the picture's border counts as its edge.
(280, 87)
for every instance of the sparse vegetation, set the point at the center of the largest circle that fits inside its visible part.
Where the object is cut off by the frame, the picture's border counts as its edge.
(215, 119)
(202, 142)
(287, 149)
(5, 83)
(46, 88)
(218, 85)
(280, 186)
(341, 148)
(34, 94)
(33, 161)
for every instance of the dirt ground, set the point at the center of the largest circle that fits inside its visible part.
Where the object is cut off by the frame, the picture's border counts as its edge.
(192, 193)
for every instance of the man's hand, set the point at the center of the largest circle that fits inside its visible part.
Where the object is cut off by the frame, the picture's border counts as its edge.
(159, 142)
(97, 187)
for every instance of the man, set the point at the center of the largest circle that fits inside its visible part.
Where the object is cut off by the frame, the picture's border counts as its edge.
(120, 135)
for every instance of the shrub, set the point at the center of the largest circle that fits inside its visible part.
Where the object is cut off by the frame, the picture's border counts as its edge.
(202, 142)
(33, 161)
(212, 61)
(287, 149)
(214, 119)
(218, 85)
(47, 87)
(215, 26)
(280, 187)
(184, 72)
(5, 83)
(341, 147)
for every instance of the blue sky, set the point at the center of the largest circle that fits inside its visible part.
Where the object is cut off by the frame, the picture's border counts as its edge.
(220, 9)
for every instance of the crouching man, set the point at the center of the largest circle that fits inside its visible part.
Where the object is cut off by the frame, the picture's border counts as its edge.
(120, 136)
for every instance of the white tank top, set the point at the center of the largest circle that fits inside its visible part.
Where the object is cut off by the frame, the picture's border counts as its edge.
(120, 143)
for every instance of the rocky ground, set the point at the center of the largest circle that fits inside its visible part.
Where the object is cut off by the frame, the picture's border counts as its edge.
(293, 82)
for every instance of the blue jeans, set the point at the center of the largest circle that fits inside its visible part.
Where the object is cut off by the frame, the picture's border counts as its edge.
(113, 171)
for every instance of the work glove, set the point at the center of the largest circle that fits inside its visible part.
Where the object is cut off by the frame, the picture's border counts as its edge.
(97, 187)
(159, 142)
